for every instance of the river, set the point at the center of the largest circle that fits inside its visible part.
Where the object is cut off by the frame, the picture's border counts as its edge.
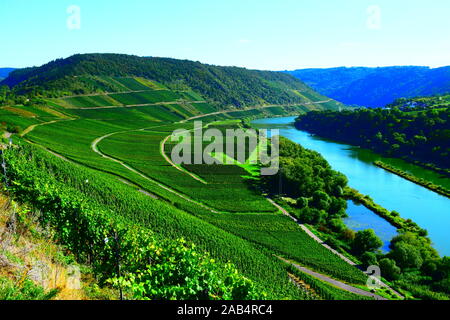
(428, 209)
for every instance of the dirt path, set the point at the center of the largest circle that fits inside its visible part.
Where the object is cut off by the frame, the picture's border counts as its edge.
(48, 150)
(312, 235)
(336, 283)
(95, 149)
(33, 126)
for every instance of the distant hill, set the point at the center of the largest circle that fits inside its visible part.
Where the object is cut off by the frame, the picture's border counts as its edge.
(82, 74)
(4, 72)
(376, 87)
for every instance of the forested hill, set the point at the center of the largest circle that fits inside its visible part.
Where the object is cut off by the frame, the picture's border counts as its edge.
(4, 72)
(376, 87)
(82, 74)
(420, 134)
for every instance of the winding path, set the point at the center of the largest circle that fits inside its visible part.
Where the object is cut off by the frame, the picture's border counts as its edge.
(33, 126)
(94, 147)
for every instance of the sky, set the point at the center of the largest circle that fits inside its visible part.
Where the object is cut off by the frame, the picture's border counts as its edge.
(256, 34)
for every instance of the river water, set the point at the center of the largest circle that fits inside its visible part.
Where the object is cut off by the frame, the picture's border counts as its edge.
(428, 209)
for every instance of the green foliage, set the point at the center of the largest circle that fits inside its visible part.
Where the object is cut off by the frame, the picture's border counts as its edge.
(389, 269)
(416, 136)
(177, 272)
(302, 202)
(24, 290)
(226, 187)
(320, 200)
(306, 176)
(411, 250)
(366, 241)
(406, 255)
(305, 173)
(424, 274)
(368, 259)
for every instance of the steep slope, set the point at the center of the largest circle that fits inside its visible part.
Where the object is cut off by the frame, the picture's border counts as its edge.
(82, 74)
(376, 87)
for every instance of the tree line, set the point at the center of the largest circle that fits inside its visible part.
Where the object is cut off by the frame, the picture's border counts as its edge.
(422, 136)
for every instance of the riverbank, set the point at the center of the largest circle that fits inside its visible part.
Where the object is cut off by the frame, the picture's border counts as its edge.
(392, 217)
(421, 182)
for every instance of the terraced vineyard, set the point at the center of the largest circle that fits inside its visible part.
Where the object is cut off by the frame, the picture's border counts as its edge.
(120, 135)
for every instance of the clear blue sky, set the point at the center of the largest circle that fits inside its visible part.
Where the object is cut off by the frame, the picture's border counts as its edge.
(262, 34)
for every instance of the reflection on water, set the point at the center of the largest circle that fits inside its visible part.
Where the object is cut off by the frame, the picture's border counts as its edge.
(361, 218)
(430, 210)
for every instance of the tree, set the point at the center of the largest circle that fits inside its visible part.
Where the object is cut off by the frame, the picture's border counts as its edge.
(349, 235)
(312, 215)
(321, 200)
(337, 207)
(302, 202)
(366, 241)
(406, 255)
(337, 225)
(369, 259)
(389, 269)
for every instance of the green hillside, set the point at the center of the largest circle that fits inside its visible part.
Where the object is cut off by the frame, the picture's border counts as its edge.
(105, 139)
(94, 73)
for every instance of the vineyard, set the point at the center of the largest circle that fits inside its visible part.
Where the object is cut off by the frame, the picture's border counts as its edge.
(93, 232)
(110, 152)
(42, 179)
(228, 192)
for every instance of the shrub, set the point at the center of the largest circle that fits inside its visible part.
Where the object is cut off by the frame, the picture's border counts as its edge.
(369, 259)
(366, 240)
(389, 269)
